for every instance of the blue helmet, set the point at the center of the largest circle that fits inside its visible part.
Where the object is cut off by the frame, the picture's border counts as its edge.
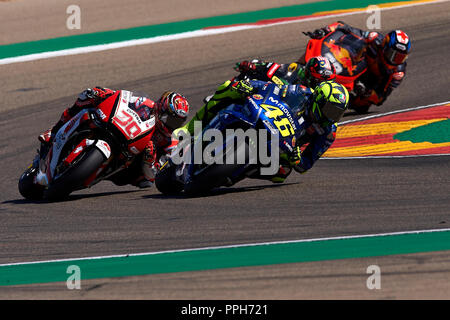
(396, 46)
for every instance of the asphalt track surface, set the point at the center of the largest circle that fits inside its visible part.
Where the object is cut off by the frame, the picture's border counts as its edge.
(336, 198)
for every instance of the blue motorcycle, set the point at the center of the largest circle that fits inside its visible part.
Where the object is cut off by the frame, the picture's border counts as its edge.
(246, 140)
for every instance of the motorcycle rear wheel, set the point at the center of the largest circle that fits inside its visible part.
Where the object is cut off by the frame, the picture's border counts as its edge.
(217, 174)
(165, 183)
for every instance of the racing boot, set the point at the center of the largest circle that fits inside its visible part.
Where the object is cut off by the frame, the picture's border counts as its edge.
(282, 174)
(149, 167)
(46, 136)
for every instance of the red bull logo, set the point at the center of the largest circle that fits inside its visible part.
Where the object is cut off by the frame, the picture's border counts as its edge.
(342, 56)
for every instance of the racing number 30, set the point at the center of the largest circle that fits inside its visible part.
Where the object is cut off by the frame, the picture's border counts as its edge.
(126, 122)
(283, 124)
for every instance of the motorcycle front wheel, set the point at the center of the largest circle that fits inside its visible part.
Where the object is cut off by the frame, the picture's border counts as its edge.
(27, 188)
(74, 177)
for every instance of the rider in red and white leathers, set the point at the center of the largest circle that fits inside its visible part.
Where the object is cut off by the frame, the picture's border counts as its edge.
(170, 111)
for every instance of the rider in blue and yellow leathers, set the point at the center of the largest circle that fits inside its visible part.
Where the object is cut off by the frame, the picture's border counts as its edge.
(320, 108)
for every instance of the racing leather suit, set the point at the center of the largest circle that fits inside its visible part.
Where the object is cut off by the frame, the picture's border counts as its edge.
(378, 82)
(143, 174)
(317, 138)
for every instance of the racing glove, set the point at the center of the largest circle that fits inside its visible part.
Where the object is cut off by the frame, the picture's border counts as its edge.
(245, 67)
(243, 87)
(317, 34)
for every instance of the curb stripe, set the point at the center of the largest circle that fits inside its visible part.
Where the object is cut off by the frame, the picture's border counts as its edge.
(439, 104)
(412, 131)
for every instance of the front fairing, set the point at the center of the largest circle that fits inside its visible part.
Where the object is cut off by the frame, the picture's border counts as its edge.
(85, 126)
(346, 52)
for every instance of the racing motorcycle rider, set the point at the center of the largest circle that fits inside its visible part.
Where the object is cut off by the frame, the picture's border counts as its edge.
(320, 108)
(170, 111)
(386, 59)
(316, 70)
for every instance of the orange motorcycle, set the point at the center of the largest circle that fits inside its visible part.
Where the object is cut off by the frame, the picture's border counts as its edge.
(344, 51)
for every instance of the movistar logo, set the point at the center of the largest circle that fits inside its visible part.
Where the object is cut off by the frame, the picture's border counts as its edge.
(285, 110)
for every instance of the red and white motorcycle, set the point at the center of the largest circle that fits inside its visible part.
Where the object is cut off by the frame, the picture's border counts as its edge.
(93, 146)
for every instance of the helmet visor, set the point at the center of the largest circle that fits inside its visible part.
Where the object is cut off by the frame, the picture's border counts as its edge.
(332, 111)
(395, 57)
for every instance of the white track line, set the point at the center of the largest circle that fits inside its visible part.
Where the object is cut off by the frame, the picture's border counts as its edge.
(185, 35)
(388, 157)
(231, 246)
(394, 112)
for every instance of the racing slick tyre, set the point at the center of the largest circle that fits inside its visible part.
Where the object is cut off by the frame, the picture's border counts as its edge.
(74, 177)
(165, 183)
(217, 174)
(27, 188)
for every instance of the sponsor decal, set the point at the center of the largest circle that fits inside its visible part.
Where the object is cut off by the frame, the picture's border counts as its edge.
(285, 110)
(135, 115)
(104, 148)
(272, 70)
(277, 81)
(257, 97)
(150, 123)
(276, 90)
(101, 114)
(340, 55)
(400, 46)
(271, 128)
